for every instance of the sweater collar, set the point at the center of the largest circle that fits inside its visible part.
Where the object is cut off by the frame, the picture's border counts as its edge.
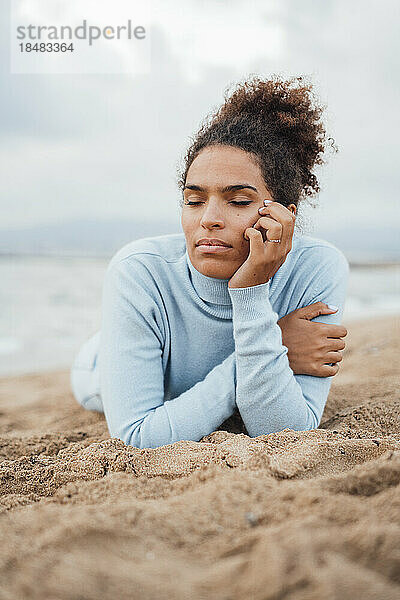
(209, 289)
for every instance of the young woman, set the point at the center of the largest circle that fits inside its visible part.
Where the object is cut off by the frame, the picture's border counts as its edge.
(215, 322)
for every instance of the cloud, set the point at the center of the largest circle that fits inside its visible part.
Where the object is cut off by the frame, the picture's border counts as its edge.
(108, 145)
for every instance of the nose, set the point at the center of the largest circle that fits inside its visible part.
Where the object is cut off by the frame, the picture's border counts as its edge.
(212, 215)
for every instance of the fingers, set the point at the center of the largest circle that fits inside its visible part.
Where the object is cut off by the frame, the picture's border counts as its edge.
(334, 331)
(278, 227)
(315, 309)
(274, 229)
(256, 239)
(331, 330)
(325, 370)
(335, 344)
(326, 330)
(334, 357)
(280, 213)
(328, 370)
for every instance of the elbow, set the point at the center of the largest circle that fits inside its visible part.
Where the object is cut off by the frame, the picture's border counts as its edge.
(142, 433)
(131, 435)
(310, 421)
(305, 419)
(138, 439)
(136, 436)
(306, 422)
(307, 426)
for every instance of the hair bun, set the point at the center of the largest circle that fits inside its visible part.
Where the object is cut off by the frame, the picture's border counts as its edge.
(278, 121)
(286, 108)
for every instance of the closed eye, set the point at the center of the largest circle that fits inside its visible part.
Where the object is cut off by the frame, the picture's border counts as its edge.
(237, 203)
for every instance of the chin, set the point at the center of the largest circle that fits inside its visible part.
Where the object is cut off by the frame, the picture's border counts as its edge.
(211, 269)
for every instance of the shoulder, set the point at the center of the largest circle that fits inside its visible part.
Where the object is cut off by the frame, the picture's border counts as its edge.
(316, 270)
(168, 248)
(138, 273)
(148, 257)
(312, 267)
(144, 266)
(312, 255)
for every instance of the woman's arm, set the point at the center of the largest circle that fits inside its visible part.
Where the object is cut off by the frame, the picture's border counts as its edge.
(131, 373)
(268, 394)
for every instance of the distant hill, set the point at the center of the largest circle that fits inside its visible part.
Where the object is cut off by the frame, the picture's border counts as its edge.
(90, 237)
(84, 237)
(364, 244)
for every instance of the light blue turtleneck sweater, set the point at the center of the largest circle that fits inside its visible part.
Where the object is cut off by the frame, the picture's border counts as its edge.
(178, 352)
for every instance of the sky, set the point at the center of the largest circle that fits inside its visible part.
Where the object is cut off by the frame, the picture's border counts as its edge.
(104, 146)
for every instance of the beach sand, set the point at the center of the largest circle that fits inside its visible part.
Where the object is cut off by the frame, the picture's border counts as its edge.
(293, 515)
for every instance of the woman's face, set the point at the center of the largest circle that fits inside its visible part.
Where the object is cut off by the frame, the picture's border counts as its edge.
(227, 188)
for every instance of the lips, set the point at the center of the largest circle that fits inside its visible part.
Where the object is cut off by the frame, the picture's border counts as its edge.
(212, 242)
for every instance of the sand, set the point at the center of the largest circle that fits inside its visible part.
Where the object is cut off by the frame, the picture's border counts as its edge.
(290, 515)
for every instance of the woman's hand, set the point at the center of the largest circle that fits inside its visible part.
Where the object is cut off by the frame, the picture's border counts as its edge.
(265, 257)
(311, 345)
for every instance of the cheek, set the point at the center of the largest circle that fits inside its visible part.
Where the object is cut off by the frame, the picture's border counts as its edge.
(242, 222)
(186, 221)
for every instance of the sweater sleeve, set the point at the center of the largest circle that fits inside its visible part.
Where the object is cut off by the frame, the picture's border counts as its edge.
(131, 371)
(269, 396)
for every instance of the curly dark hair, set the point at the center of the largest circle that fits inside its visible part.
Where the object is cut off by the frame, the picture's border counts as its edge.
(279, 123)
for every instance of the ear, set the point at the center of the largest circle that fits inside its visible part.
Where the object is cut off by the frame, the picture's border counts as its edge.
(292, 208)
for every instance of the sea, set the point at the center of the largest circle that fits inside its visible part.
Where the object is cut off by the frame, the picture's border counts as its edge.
(50, 305)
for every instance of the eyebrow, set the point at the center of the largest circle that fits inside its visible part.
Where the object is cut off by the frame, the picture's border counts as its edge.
(223, 190)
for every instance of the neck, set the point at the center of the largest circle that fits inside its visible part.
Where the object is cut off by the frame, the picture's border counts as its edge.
(209, 289)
